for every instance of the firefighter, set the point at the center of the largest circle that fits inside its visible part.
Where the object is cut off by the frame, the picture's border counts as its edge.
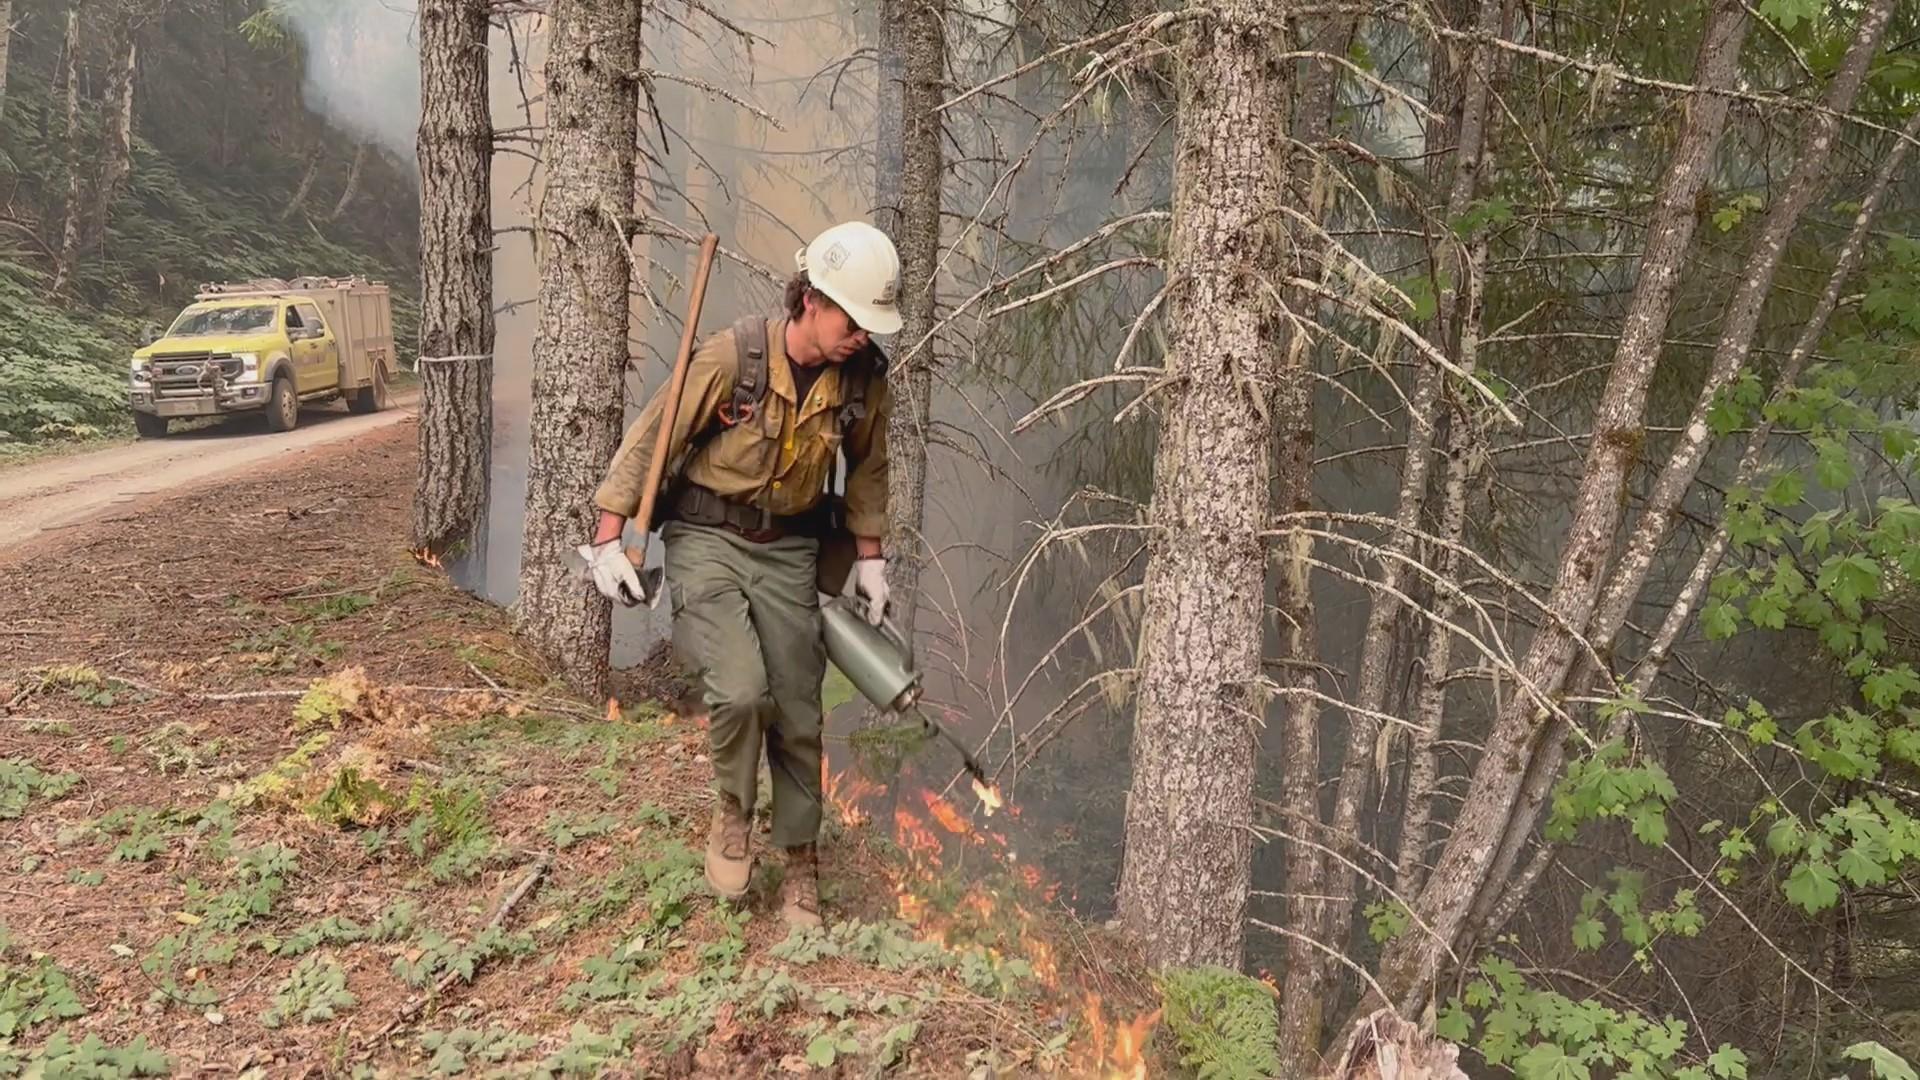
(743, 522)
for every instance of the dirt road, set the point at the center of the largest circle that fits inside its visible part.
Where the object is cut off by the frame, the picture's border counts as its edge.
(62, 492)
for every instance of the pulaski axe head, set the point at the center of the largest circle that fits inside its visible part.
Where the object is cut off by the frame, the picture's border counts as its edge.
(651, 581)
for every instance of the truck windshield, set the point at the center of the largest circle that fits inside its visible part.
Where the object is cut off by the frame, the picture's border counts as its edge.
(207, 322)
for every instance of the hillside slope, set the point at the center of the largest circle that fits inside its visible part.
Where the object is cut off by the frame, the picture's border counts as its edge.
(314, 810)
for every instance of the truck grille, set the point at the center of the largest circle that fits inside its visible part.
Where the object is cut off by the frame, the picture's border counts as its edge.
(191, 374)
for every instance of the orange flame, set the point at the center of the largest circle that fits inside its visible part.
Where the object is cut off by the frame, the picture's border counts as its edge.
(915, 837)
(613, 710)
(911, 908)
(944, 813)
(989, 796)
(979, 903)
(845, 797)
(1125, 1059)
(426, 557)
(1039, 953)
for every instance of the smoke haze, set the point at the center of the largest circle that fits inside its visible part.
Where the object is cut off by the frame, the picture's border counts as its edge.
(362, 67)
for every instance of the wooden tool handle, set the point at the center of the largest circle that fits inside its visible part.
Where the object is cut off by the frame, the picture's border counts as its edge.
(656, 468)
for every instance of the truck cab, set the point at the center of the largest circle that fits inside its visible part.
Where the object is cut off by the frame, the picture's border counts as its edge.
(267, 346)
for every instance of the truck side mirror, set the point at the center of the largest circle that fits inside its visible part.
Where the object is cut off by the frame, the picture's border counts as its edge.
(149, 334)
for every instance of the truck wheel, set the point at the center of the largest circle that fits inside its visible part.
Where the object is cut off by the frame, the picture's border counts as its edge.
(371, 399)
(150, 426)
(283, 408)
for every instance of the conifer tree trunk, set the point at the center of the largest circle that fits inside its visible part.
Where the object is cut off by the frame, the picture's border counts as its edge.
(580, 348)
(353, 179)
(889, 149)
(299, 198)
(118, 163)
(70, 229)
(1185, 874)
(456, 276)
(922, 37)
(6, 47)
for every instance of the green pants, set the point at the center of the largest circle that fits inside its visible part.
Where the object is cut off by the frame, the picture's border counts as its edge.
(746, 619)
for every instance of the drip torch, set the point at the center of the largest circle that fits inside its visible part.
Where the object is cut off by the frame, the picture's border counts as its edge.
(877, 661)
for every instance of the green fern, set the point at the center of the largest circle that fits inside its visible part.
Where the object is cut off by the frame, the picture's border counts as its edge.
(1225, 1023)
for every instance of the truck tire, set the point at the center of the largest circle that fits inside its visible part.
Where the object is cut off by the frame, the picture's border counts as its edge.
(150, 426)
(370, 399)
(283, 408)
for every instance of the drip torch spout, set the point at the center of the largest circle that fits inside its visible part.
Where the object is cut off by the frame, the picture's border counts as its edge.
(966, 757)
(878, 662)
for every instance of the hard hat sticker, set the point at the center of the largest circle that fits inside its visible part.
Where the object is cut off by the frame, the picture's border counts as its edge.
(836, 256)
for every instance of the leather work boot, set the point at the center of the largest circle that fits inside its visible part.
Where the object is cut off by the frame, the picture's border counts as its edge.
(800, 888)
(729, 863)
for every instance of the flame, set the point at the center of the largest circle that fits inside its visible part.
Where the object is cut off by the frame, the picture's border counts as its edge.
(426, 557)
(944, 813)
(1038, 952)
(613, 710)
(916, 838)
(845, 796)
(991, 914)
(1125, 1059)
(989, 797)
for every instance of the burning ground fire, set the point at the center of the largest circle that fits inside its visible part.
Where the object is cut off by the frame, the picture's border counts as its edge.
(929, 896)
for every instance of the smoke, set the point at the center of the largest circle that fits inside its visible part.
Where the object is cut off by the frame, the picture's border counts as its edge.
(362, 67)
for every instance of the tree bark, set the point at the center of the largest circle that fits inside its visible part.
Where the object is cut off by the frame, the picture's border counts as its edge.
(889, 147)
(1185, 874)
(300, 193)
(118, 164)
(456, 276)
(580, 348)
(6, 48)
(1680, 609)
(1741, 320)
(70, 228)
(1468, 135)
(922, 35)
(1474, 86)
(1524, 728)
(1737, 327)
(353, 182)
(1303, 1002)
(1410, 869)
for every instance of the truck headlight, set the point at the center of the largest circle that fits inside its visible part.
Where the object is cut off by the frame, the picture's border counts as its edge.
(140, 371)
(249, 366)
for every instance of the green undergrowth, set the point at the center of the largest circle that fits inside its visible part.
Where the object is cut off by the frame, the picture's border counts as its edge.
(22, 782)
(261, 895)
(1225, 1024)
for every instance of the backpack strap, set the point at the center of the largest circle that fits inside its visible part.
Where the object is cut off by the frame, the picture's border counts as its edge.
(865, 367)
(750, 380)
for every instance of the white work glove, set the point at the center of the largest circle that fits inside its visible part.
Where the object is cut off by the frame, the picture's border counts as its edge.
(870, 581)
(615, 575)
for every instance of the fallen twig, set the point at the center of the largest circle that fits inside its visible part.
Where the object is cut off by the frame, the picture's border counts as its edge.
(244, 695)
(520, 891)
(512, 899)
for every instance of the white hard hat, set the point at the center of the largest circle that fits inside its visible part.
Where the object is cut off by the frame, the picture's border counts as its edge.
(855, 265)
